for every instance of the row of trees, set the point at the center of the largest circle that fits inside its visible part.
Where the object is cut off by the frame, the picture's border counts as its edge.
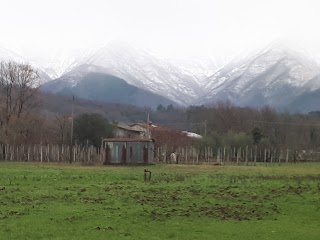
(23, 120)
(229, 125)
(88, 129)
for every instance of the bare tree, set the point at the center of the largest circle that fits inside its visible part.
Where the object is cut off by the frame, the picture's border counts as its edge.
(18, 96)
(63, 123)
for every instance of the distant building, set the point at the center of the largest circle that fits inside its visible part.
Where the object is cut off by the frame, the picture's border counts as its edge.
(169, 137)
(192, 135)
(162, 135)
(134, 131)
(129, 151)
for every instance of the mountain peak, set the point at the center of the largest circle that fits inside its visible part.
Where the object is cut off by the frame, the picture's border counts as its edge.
(275, 75)
(10, 55)
(287, 47)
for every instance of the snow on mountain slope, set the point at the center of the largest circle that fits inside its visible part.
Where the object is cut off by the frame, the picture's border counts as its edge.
(201, 67)
(275, 76)
(143, 69)
(71, 78)
(179, 80)
(90, 82)
(58, 62)
(9, 55)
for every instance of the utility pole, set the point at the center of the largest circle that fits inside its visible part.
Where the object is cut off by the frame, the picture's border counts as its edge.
(148, 127)
(205, 128)
(71, 130)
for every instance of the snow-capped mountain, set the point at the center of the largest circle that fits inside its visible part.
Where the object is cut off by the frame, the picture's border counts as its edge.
(58, 62)
(201, 67)
(92, 83)
(178, 80)
(9, 55)
(275, 76)
(144, 70)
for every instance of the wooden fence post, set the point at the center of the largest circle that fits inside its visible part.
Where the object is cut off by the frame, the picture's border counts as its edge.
(239, 150)
(280, 155)
(228, 155)
(192, 156)
(41, 156)
(255, 155)
(246, 156)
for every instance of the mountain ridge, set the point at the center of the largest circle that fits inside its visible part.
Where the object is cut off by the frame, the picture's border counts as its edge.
(99, 86)
(276, 75)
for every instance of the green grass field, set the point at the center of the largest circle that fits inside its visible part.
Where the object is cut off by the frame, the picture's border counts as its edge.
(53, 201)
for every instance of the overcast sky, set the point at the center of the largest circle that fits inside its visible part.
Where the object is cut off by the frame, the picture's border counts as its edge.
(171, 27)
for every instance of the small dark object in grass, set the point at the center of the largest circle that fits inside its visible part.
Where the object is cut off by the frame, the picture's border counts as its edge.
(3, 188)
(147, 175)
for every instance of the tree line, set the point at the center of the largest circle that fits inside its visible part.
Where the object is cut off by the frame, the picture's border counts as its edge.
(229, 125)
(25, 120)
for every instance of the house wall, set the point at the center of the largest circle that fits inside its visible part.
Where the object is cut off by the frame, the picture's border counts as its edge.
(122, 133)
(143, 130)
(131, 152)
(116, 150)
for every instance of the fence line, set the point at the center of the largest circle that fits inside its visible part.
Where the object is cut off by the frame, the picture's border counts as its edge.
(184, 155)
(245, 156)
(50, 153)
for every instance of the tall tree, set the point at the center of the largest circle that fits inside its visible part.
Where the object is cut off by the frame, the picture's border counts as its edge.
(257, 135)
(63, 124)
(18, 98)
(90, 128)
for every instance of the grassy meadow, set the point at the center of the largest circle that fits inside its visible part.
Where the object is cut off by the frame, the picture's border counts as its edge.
(59, 201)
